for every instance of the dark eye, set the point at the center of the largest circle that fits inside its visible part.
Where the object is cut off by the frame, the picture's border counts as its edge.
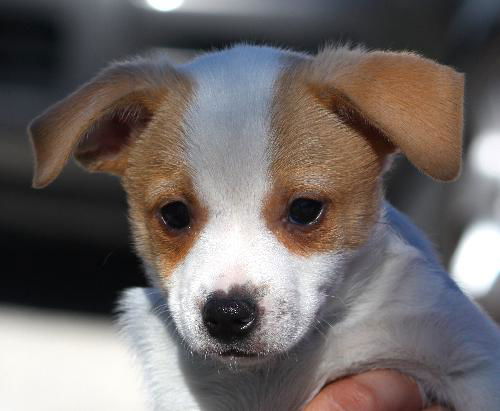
(175, 215)
(304, 211)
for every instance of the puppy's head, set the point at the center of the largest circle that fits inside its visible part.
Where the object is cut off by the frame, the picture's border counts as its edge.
(253, 173)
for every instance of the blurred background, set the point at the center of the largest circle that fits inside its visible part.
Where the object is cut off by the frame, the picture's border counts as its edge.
(66, 251)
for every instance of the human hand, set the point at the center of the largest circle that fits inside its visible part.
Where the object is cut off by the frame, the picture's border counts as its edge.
(381, 390)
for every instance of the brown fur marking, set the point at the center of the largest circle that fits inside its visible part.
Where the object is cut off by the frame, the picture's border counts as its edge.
(319, 154)
(148, 98)
(157, 173)
(335, 119)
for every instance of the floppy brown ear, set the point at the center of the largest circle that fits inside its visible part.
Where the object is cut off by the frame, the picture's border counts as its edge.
(415, 103)
(97, 122)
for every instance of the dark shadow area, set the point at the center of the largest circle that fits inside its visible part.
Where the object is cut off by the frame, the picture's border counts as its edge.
(70, 275)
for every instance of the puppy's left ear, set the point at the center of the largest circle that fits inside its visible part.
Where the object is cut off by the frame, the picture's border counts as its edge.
(415, 103)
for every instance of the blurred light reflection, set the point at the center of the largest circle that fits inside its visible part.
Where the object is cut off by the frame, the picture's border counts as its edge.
(475, 264)
(485, 154)
(164, 5)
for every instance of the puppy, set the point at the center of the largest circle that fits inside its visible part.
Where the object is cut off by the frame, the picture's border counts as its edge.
(254, 181)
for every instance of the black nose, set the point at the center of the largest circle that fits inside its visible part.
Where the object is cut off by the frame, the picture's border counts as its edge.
(229, 319)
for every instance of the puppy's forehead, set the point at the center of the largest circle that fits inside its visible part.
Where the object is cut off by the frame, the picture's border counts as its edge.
(228, 123)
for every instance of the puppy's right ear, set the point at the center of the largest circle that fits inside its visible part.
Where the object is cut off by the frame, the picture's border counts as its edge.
(98, 121)
(413, 103)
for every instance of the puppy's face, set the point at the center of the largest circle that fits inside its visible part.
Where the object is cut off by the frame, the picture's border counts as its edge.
(253, 174)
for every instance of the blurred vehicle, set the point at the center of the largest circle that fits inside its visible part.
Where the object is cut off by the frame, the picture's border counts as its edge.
(68, 247)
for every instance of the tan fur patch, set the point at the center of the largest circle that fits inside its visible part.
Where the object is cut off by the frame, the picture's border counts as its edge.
(151, 96)
(336, 117)
(157, 173)
(318, 154)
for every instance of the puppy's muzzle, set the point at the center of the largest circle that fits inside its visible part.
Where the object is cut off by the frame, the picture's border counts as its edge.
(229, 318)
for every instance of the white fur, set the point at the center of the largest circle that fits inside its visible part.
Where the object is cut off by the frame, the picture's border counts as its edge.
(388, 304)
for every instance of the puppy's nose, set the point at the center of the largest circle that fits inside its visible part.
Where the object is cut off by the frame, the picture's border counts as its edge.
(228, 319)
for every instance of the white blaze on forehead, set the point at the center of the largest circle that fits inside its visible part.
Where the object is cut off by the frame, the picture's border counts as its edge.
(228, 125)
